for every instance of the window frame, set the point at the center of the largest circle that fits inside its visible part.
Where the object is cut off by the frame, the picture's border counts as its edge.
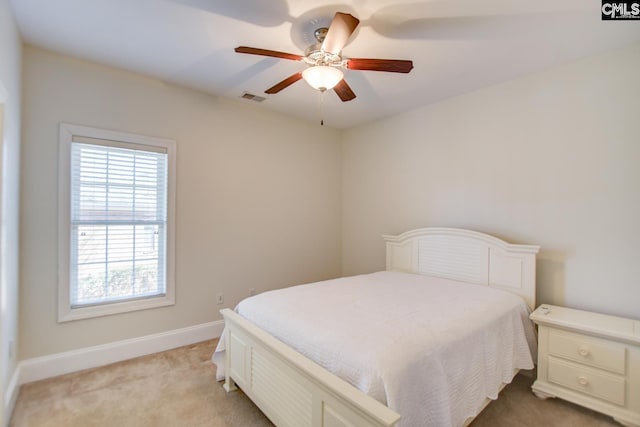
(65, 310)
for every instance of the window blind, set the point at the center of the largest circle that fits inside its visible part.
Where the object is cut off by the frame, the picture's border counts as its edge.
(118, 221)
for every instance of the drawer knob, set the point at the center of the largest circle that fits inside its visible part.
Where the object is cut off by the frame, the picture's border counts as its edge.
(583, 380)
(584, 351)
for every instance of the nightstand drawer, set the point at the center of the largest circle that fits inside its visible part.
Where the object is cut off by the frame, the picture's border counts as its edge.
(588, 350)
(587, 380)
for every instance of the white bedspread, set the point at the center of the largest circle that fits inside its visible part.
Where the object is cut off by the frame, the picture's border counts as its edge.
(431, 349)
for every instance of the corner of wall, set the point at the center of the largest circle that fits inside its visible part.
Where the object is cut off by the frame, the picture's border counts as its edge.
(10, 143)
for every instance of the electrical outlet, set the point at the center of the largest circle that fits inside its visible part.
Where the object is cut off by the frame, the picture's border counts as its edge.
(252, 292)
(220, 299)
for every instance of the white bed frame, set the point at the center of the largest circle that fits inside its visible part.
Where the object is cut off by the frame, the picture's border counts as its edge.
(294, 391)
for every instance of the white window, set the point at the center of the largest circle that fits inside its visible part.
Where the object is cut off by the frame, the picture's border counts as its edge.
(116, 232)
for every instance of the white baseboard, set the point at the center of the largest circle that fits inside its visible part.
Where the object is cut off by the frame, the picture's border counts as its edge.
(39, 368)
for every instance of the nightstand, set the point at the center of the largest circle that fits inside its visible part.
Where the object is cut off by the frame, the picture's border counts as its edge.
(589, 359)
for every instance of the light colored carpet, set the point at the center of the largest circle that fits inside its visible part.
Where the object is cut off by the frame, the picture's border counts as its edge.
(172, 388)
(178, 388)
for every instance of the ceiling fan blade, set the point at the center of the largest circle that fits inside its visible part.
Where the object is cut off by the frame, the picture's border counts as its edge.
(343, 90)
(266, 52)
(390, 65)
(284, 84)
(341, 28)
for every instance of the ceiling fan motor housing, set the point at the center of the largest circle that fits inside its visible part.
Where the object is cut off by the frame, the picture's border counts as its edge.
(314, 55)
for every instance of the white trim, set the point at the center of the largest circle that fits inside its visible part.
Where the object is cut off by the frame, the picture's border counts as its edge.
(39, 368)
(6, 395)
(67, 313)
(67, 132)
(3, 93)
(11, 395)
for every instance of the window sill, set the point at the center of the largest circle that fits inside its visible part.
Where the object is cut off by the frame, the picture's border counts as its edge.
(69, 314)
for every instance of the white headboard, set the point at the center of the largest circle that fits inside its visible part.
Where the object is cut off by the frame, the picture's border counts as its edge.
(467, 256)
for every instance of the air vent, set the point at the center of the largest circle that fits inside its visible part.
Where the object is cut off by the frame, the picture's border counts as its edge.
(253, 97)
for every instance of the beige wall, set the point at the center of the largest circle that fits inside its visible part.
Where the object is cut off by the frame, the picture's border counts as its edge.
(258, 200)
(550, 159)
(10, 53)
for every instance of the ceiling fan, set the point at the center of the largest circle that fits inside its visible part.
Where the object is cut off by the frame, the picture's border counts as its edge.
(325, 61)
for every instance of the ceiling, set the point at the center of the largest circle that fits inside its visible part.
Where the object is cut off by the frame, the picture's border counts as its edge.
(457, 46)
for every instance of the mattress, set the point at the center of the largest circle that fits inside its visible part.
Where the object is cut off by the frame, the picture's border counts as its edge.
(431, 349)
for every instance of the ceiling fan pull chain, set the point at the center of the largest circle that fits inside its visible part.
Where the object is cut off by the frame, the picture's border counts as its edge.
(322, 107)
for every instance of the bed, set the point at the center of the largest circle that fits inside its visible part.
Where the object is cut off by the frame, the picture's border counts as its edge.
(429, 341)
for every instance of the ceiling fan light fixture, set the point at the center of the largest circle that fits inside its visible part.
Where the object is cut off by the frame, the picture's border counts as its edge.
(322, 77)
